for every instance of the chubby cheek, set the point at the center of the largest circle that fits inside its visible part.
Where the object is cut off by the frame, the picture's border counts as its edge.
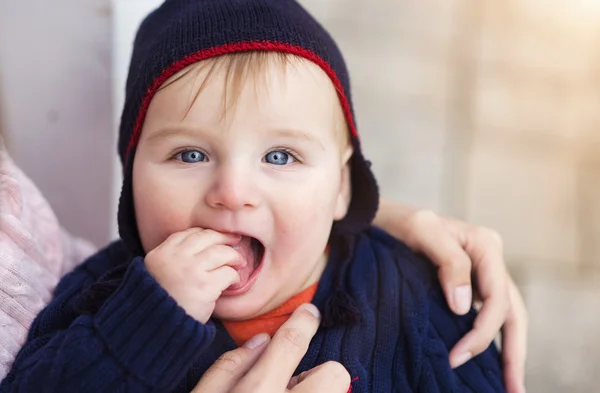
(161, 208)
(302, 225)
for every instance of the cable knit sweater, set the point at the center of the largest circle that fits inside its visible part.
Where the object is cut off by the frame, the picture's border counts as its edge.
(34, 253)
(140, 340)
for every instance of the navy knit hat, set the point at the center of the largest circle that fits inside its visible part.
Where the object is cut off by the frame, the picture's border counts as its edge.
(182, 32)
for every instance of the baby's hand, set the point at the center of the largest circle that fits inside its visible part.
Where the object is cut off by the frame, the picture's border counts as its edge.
(195, 266)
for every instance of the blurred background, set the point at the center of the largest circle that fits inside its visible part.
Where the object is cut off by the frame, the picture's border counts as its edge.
(485, 110)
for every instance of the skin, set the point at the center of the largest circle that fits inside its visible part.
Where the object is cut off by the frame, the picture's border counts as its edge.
(457, 248)
(242, 370)
(273, 169)
(460, 249)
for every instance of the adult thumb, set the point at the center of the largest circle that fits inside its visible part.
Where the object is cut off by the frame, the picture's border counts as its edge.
(226, 372)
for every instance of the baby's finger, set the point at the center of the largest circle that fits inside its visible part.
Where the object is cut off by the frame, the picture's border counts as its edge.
(176, 238)
(219, 255)
(197, 241)
(222, 278)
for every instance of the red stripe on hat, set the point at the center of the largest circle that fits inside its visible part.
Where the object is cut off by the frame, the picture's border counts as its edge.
(234, 48)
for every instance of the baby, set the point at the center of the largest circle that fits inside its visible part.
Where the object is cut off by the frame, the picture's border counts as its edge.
(245, 194)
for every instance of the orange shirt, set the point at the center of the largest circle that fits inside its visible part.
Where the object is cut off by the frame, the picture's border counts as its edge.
(242, 331)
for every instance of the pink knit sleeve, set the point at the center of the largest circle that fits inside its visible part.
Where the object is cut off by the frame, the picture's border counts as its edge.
(34, 253)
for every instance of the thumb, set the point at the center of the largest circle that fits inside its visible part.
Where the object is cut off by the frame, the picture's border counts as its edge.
(226, 372)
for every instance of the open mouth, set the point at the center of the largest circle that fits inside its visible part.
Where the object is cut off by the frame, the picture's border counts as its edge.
(253, 252)
(258, 251)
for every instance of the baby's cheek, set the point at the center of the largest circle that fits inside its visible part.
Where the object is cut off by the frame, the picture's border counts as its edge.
(302, 211)
(158, 218)
(303, 225)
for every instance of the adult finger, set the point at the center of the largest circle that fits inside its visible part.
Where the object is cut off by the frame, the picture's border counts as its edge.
(489, 320)
(485, 249)
(288, 346)
(444, 248)
(514, 342)
(225, 373)
(330, 377)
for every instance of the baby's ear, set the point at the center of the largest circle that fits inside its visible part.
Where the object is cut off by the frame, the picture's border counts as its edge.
(345, 191)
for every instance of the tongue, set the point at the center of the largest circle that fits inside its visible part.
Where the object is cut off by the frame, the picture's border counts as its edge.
(244, 247)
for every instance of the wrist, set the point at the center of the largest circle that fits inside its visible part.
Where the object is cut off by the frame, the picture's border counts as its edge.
(392, 217)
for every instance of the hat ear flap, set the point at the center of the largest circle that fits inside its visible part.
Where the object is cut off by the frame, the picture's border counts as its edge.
(364, 196)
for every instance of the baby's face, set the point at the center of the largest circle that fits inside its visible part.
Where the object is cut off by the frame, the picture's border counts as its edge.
(271, 168)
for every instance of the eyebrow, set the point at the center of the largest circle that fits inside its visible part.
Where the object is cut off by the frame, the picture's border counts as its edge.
(171, 131)
(295, 134)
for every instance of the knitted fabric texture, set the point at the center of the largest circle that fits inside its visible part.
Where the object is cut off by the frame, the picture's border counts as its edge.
(142, 341)
(35, 251)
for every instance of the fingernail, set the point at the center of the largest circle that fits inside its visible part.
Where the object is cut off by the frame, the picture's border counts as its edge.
(462, 299)
(257, 341)
(311, 308)
(461, 359)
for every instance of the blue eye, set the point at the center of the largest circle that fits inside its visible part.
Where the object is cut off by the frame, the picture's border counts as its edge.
(279, 157)
(191, 156)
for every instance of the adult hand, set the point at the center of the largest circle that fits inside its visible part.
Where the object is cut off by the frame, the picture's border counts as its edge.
(266, 365)
(459, 248)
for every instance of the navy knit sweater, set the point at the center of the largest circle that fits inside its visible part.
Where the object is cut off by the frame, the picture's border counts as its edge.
(140, 340)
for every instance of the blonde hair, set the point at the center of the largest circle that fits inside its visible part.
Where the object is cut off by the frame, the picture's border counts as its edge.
(239, 68)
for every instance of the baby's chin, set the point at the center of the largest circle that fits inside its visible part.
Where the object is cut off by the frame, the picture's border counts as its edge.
(240, 308)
